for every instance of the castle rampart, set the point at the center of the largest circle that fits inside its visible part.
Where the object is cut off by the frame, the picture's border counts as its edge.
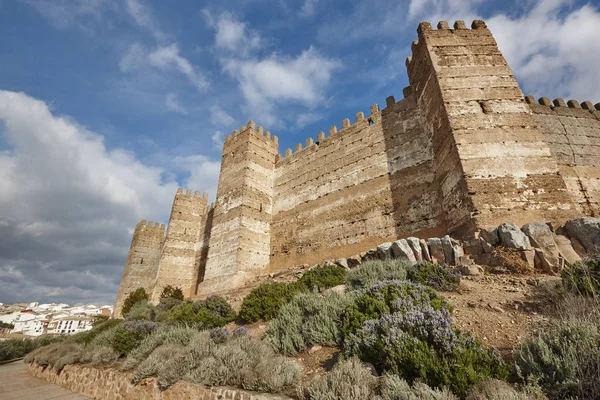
(463, 150)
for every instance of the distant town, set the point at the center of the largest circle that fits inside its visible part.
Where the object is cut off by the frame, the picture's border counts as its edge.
(34, 319)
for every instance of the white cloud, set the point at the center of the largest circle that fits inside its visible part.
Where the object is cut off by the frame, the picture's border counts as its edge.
(168, 57)
(143, 17)
(442, 10)
(203, 173)
(308, 8)
(172, 104)
(307, 118)
(219, 117)
(218, 138)
(69, 204)
(233, 35)
(553, 53)
(276, 79)
(64, 14)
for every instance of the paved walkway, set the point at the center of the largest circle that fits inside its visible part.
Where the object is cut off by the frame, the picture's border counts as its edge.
(17, 384)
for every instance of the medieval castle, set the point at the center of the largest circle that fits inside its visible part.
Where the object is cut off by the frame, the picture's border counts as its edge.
(461, 151)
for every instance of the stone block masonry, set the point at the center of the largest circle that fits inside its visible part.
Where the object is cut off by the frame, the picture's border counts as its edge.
(462, 151)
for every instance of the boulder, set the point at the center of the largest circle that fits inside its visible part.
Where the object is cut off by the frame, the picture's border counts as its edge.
(415, 245)
(425, 250)
(541, 237)
(512, 237)
(354, 261)
(470, 270)
(402, 251)
(586, 230)
(448, 250)
(370, 255)
(490, 236)
(565, 249)
(342, 262)
(436, 251)
(384, 251)
(529, 256)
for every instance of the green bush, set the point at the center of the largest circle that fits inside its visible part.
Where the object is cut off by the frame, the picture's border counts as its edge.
(563, 359)
(433, 275)
(204, 314)
(495, 389)
(395, 388)
(155, 360)
(89, 336)
(170, 292)
(583, 277)
(164, 307)
(376, 270)
(349, 380)
(138, 295)
(101, 355)
(56, 355)
(309, 319)
(385, 297)
(141, 311)
(17, 348)
(130, 335)
(265, 301)
(322, 278)
(7, 326)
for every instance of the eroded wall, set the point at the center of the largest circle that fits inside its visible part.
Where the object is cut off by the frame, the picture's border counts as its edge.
(572, 131)
(141, 266)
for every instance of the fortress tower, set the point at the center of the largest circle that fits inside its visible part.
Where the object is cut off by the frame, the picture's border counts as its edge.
(463, 150)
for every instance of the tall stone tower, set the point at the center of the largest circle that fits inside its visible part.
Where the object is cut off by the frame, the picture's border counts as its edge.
(142, 262)
(492, 162)
(240, 239)
(180, 260)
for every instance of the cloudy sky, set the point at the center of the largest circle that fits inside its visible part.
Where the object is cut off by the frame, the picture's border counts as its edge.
(107, 106)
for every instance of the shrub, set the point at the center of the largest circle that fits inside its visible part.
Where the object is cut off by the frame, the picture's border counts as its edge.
(89, 336)
(219, 335)
(264, 301)
(240, 331)
(563, 359)
(138, 295)
(385, 297)
(309, 319)
(6, 325)
(103, 355)
(56, 355)
(17, 348)
(170, 292)
(321, 278)
(141, 311)
(395, 388)
(433, 275)
(163, 308)
(418, 343)
(130, 335)
(583, 277)
(376, 270)
(167, 335)
(155, 360)
(204, 314)
(240, 361)
(349, 380)
(495, 389)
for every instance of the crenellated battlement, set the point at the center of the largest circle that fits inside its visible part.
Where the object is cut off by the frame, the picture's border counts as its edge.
(188, 193)
(150, 227)
(252, 129)
(360, 121)
(559, 102)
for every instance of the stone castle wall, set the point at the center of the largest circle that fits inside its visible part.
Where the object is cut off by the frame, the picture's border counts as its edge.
(464, 150)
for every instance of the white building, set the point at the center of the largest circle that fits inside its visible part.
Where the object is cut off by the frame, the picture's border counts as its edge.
(69, 325)
(31, 324)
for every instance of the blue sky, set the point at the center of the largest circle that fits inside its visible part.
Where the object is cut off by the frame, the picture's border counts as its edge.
(107, 106)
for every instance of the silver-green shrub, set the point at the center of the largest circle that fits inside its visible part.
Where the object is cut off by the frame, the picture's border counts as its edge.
(495, 389)
(394, 387)
(376, 270)
(309, 319)
(349, 380)
(152, 364)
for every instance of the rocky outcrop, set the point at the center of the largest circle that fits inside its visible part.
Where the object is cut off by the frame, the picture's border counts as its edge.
(546, 251)
(512, 237)
(110, 384)
(586, 231)
(402, 250)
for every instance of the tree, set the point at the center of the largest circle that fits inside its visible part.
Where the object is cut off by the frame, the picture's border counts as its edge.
(171, 292)
(134, 297)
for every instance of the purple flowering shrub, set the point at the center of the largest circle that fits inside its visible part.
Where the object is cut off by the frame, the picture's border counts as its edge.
(406, 329)
(240, 331)
(219, 335)
(129, 335)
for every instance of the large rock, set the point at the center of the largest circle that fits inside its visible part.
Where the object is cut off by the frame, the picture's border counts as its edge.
(447, 248)
(354, 261)
(402, 251)
(490, 236)
(512, 237)
(541, 237)
(436, 251)
(384, 251)
(566, 249)
(586, 230)
(342, 262)
(415, 245)
(425, 250)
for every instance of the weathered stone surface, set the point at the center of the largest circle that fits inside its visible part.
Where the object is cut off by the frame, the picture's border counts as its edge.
(342, 262)
(512, 237)
(490, 236)
(370, 254)
(384, 250)
(542, 238)
(354, 261)
(470, 270)
(415, 245)
(425, 250)
(108, 383)
(566, 249)
(447, 247)
(586, 230)
(402, 251)
(529, 256)
(436, 250)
